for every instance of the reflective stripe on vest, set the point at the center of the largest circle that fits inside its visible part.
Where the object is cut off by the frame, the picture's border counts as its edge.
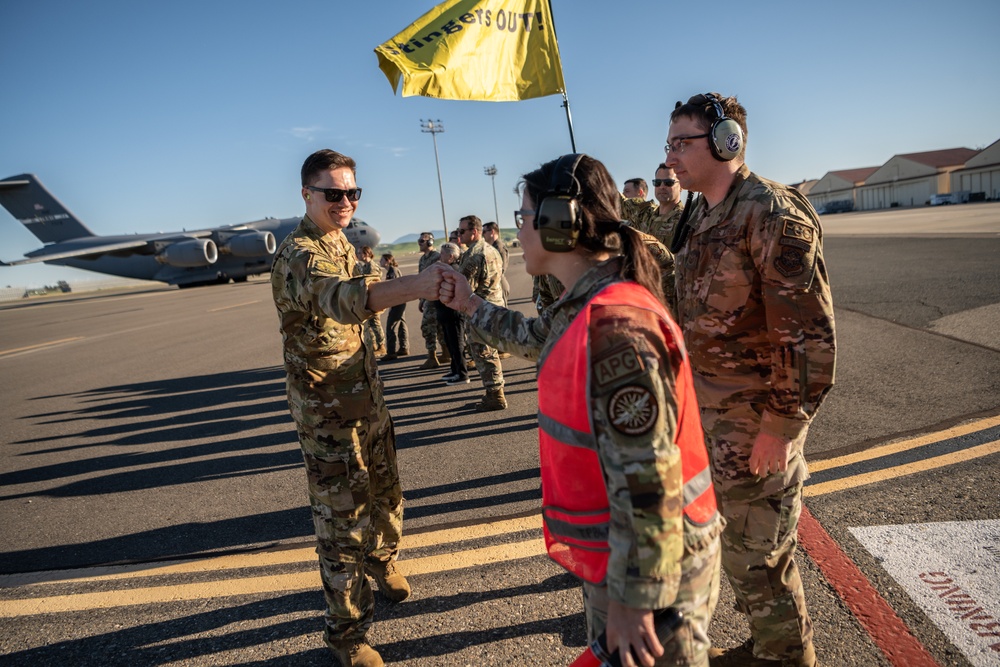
(574, 492)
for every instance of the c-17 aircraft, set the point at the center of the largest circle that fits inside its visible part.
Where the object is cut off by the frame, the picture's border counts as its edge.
(186, 258)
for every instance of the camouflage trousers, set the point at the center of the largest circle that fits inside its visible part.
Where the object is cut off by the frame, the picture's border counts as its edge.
(357, 510)
(486, 358)
(758, 544)
(697, 595)
(430, 329)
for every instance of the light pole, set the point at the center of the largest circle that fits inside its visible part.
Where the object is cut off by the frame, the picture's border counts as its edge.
(491, 171)
(435, 126)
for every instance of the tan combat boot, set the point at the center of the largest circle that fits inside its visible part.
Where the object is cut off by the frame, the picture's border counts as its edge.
(445, 355)
(356, 654)
(493, 400)
(392, 584)
(432, 361)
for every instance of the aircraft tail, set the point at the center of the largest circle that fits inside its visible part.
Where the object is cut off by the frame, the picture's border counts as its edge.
(27, 200)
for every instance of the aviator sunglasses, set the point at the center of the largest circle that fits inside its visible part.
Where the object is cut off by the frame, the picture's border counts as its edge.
(334, 195)
(669, 182)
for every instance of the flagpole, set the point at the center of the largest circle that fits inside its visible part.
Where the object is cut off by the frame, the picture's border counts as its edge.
(565, 103)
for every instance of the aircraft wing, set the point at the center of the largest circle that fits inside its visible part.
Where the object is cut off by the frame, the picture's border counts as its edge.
(89, 251)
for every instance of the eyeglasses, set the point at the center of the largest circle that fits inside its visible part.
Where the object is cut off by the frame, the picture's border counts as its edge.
(669, 182)
(678, 144)
(334, 195)
(519, 216)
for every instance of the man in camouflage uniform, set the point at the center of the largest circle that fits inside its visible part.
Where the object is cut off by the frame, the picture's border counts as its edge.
(754, 303)
(335, 398)
(429, 326)
(482, 266)
(658, 219)
(635, 188)
(491, 234)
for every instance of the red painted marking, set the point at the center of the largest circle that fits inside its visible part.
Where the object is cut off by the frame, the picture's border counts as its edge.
(885, 628)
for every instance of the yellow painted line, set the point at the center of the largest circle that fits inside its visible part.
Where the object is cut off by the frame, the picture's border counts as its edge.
(900, 471)
(258, 585)
(40, 345)
(235, 305)
(260, 558)
(905, 445)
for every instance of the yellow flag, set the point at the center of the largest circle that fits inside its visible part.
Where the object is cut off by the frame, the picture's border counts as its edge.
(488, 50)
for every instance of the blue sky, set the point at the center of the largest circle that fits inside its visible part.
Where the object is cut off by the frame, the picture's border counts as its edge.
(145, 117)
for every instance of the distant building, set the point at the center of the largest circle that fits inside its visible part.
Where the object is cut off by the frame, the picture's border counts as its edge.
(805, 186)
(911, 179)
(981, 175)
(839, 186)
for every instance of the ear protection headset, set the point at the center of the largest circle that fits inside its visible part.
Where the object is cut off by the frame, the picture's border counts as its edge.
(725, 139)
(559, 218)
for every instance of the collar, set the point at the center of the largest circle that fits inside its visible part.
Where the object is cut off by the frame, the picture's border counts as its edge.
(715, 216)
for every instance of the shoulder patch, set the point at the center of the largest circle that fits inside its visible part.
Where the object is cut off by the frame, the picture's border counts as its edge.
(790, 262)
(633, 410)
(616, 365)
(796, 230)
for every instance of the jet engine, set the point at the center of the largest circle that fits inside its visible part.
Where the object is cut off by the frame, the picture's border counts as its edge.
(192, 253)
(250, 244)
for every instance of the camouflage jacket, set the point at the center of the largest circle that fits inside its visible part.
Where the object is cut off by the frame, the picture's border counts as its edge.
(754, 304)
(482, 266)
(660, 226)
(650, 540)
(321, 299)
(501, 248)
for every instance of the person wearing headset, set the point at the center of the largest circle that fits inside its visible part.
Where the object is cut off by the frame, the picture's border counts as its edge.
(755, 307)
(628, 504)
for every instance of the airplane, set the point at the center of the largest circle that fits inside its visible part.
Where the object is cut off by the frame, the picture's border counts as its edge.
(186, 259)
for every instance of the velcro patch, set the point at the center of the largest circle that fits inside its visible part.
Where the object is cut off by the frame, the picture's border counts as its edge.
(617, 365)
(633, 410)
(790, 262)
(796, 230)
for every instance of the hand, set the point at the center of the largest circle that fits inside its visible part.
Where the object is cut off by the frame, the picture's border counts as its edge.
(631, 631)
(456, 292)
(430, 281)
(770, 454)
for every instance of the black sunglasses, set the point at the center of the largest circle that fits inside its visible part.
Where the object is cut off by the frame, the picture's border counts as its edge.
(334, 195)
(669, 182)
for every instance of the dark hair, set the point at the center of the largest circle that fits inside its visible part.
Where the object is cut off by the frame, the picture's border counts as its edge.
(474, 220)
(325, 160)
(491, 225)
(387, 256)
(603, 229)
(366, 252)
(701, 110)
(639, 183)
(662, 165)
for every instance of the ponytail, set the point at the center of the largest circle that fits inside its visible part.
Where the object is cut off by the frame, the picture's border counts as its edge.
(638, 263)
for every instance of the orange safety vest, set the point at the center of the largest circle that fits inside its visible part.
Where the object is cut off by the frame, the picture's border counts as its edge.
(574, 494)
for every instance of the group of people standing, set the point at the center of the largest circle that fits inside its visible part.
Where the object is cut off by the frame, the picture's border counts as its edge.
(671, 431)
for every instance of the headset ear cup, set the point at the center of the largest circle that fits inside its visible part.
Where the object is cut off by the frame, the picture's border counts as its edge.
(559, 223)
(726, 140)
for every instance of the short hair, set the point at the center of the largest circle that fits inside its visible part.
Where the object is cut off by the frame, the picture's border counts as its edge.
(700, 109)
(474, 220)
(639, 183)
(325, 160)
(491, 225)
(426, 235)
(662, 165)
(452, 249)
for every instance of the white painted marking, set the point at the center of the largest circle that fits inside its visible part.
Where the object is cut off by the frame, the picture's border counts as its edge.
(949, 569)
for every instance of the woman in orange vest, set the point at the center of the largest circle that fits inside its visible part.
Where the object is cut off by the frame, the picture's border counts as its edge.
(628, 503)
